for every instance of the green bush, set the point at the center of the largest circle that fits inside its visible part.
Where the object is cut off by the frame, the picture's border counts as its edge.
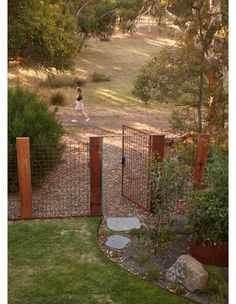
(209, 207)
(57, 99)
(100, 77)
(186, 151)
(28, 117)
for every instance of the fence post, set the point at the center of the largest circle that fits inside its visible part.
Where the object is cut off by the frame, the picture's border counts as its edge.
(157, 143)
(96, 144)
(24, 176)
(202, 153)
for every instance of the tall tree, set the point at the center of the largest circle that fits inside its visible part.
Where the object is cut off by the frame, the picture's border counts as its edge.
(99, 18)
(207, 29)
(204, 26)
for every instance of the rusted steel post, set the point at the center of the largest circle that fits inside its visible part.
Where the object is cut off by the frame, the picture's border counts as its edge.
(24, 176)
(96, 144)
(202, 153)
(157, 149)
(157, 146)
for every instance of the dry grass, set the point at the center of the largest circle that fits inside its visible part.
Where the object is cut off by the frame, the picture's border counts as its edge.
(121, 58)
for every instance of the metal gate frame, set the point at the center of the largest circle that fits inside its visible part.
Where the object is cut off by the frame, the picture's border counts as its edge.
(150, 144)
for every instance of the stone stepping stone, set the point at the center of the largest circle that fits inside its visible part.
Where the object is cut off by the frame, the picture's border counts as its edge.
(123, 223)
(117, 241)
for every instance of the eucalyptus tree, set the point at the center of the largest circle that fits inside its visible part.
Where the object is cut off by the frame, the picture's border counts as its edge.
(204, 27)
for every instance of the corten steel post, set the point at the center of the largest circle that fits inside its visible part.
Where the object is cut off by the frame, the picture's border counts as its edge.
(202, 153)
(24, 176)
(96, 144)
(157, 143)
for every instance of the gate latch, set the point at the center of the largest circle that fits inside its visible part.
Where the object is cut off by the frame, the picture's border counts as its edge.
(123, 161)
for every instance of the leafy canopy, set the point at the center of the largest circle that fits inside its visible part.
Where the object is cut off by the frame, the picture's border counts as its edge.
(41, 33)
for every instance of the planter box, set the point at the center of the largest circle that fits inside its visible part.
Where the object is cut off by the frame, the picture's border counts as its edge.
(210, 255)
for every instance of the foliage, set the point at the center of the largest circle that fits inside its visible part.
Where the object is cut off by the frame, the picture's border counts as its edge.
(186, 151)
(57, 99)
(99, 18)
(95, 18)
(158, 240)
(154, 273)
(183, 119)
(98, 76)
(127, 13)
(168, 184)
(41, 33)
(217, 284)
(60, 80)
(28, 117)
(209, 208)
(171, 75)
(105, 232)
(61, 262)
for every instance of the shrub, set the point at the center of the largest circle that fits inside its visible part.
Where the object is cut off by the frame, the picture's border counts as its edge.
(57, 99)
(169, 183)
(100, 77)
(60, 80)
(28, 117)
(209, 207)
(186, 151)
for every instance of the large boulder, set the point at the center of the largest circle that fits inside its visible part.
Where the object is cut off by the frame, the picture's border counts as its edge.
(188, 272)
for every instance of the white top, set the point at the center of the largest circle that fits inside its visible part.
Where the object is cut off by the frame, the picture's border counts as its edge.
(79, 104)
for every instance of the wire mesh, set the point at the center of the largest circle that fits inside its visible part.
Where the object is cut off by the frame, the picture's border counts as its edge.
(13, 191)
(135, 173)
(60, 181)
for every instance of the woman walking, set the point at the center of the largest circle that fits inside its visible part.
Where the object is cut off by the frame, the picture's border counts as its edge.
(79, 105)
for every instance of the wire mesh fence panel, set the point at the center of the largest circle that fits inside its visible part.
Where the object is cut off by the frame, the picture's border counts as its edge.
(60, 184)
(135, 171)
(60, 180)
(13, 188)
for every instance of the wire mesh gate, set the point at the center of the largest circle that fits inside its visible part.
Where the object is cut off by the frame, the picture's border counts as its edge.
(136, 148)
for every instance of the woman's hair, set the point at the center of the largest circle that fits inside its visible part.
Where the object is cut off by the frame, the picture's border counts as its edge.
(79, 90)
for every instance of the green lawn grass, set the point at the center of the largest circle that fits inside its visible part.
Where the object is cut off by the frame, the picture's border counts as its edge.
(59, 261)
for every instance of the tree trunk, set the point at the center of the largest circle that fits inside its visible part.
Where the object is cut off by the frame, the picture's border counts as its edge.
(216, 110)
(82, 41)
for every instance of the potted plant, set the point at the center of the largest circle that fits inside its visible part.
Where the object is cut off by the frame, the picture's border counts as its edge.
(208, 213)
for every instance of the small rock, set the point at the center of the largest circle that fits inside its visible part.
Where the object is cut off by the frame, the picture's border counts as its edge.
(117, 241)
(188, 272)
